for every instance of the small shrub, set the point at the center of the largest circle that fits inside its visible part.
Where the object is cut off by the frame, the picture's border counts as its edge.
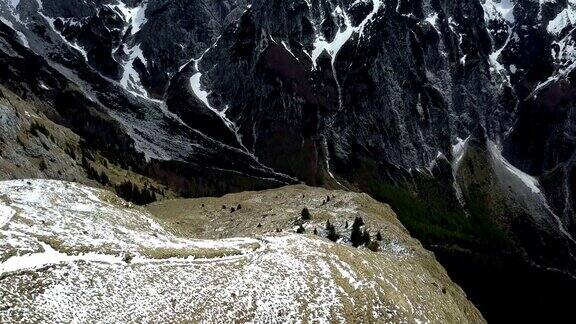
(332, 235)
(374, 246)
(43, 165)
(37, 128)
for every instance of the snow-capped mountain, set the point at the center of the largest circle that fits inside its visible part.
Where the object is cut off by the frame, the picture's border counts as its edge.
(456, 113)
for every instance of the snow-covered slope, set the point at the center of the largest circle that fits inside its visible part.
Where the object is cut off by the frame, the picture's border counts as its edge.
(73, 253)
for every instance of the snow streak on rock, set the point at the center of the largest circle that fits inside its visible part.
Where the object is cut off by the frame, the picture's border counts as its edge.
(130, 78)
(21, 35)
(500, 9)
(134, 17)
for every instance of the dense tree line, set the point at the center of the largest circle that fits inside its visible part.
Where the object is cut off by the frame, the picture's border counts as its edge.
(139, 196)
(101, 177)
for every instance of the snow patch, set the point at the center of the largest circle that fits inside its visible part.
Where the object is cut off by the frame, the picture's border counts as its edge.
(527, 179)
(130, 78)
(134, 17)
(6, 214)
(496, 9)
(459, 149)
(20, 34)
(50, 22)
(344, 33)
(565, 18)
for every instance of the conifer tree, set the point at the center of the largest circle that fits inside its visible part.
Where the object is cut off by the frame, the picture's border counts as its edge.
(356, 235)
(305, 214)
(332, 235)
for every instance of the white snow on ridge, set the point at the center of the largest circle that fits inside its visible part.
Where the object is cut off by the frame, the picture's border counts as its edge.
(81, 218)
(65, 240)
(343, 35)
(135, 17)
(494, 9)
(50, 22)
(565, 18)
(458, 150)
(433, 19)
(130, 78)
(202, 94)
(6, 214)
(528, 180)
(14, 3)
(197, 89)
(531, 183)
(333, 47)
(195, 83)
(322, 45)
(21, 35)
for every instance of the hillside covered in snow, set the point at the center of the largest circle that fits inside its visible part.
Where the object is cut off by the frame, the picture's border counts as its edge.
(74, 253)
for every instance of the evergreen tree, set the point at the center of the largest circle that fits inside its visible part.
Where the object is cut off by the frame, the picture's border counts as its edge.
(43, 165)
(103, 179)
(331, 230)
(378, 236)
(130, 192)
(356, 235)
(305, 214)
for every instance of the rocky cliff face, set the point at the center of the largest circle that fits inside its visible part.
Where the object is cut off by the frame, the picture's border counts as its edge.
(457, 113)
